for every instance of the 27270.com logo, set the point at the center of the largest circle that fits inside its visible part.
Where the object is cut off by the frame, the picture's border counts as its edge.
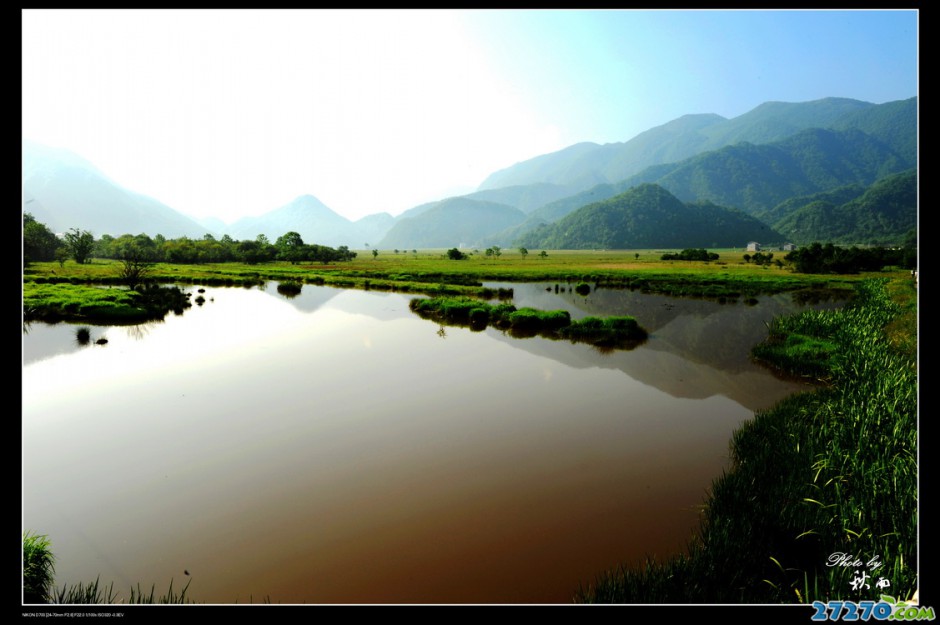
(885, 609)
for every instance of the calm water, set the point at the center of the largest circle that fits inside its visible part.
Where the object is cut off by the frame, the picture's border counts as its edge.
(336, 448)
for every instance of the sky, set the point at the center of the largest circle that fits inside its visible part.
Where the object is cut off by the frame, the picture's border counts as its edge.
(232, 113)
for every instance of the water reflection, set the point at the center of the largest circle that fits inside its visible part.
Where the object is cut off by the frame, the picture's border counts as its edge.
(331, 448)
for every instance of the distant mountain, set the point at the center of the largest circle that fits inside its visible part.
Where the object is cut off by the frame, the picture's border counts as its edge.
(305, 215)
(452, 222)
(648, 216)
(563, 168)
(585, 165)
(772, 121)
(65, 191)
(524, 197)
(212, 224)
(885, 214)
(372, 228)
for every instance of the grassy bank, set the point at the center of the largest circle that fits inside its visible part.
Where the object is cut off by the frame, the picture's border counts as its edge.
(80, 302)
(824, 472)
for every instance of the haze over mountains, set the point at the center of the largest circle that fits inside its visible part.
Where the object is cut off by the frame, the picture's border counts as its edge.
(835, 169)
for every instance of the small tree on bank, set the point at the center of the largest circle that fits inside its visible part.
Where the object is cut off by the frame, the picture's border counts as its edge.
(134, 270)
(80, 243)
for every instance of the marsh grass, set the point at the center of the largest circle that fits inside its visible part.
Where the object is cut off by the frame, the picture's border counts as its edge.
(170, 596)
(290, 288)
(610, 332)
(87, 594)
(96, 593)
(83, 335)
(833, 470)
(39, 573)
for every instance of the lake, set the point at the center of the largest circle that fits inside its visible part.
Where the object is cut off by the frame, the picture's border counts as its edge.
(335, 448)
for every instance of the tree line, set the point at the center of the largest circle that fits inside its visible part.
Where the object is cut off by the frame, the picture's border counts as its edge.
(41, 244)
(828, 258)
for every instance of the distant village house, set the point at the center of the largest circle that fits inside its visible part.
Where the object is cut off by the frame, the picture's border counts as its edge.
(753, 246)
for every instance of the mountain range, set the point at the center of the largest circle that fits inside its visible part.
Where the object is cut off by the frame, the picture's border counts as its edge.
(835, 169)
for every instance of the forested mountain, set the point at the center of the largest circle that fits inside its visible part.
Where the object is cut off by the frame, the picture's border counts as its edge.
(648, 216)
(63, 191)
(885, 214)
(837, 196)
(892, 123)
(756, 178)
(773, 121)
(456, 221)
(585, 165)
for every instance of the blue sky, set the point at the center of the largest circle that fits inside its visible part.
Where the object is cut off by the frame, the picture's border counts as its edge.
(229, 113)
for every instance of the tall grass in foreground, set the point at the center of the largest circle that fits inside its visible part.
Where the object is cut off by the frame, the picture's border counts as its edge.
(38, 567)
(824, 472)
(39, 571)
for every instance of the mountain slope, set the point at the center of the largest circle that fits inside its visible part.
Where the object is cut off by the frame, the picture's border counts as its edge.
(306, 215)
(648, 216)
(892, 123)
(64, 191)
(883, 215)
(452, 222)
(584, 165)
(756, 178)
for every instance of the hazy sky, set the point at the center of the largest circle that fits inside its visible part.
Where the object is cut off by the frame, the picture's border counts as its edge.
(229, 113)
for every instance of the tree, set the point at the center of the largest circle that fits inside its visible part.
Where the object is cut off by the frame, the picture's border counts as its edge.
(39, 243)
(455, 254)
(249, 252)
(375, 253)
(137, 255)
(134, 269)
(290, 246)
(543, 254)
(80, 244)
(524, 252)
